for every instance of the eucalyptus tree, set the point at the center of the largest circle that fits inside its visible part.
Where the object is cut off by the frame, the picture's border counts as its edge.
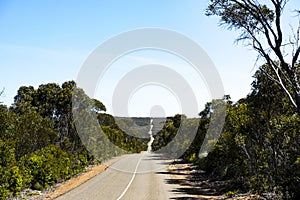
(261, 26)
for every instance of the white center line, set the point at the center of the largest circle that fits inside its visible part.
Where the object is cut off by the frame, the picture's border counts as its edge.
(130, 182)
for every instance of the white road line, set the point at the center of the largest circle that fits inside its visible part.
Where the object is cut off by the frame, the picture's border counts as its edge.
(130, 182)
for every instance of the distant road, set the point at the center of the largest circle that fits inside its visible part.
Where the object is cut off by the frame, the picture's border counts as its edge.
(135, 177)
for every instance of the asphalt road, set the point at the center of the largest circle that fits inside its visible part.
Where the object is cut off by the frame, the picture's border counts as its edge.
(137, 176)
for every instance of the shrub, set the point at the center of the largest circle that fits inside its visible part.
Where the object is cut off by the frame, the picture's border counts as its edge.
(11, 180)
(46, 166)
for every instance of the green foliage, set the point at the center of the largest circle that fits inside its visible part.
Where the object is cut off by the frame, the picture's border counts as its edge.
(99, 106)
(230, 193)
(192, 158)
(16, 181)
(166, 135)
(168, 132)
(260, 144)
(47, 166)
(258, 149)
(179, 138)
(11, 179)
(124, 141)
(240, 14)
(200, 125)
(7, 154)
(39, 144)
(32, 132)
(260, 24)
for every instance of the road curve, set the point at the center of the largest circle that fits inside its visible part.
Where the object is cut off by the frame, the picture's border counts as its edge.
(137, 176)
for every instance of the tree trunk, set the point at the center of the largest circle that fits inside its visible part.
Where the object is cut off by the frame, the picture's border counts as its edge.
(297, 96)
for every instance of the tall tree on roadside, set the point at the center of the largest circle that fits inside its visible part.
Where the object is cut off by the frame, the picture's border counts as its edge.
(260, 24)
(47, 98)
(25, 99)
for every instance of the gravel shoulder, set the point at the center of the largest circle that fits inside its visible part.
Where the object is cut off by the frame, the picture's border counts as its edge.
(66, 186)
(193, 182)
(76, 181)
(185, 178)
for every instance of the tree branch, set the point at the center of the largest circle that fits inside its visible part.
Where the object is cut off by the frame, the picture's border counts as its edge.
(297, 38)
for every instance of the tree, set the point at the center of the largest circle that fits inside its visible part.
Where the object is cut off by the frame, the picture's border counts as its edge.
(261, 26)
(99, 106)
(25, 98)
(39, 144)
(259, 146)
(32, 132)
(47, 98)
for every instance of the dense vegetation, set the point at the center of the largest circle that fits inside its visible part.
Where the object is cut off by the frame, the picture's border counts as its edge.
(39, 144)
(258, 151)
(259, 148)
(260, 145)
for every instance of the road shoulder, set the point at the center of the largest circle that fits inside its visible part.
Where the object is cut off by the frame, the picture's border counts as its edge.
(68, 185)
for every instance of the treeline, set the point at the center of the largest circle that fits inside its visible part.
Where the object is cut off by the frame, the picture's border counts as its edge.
(259, 148)
(135, 126)
(180, 137)
(39, 140)
(45, 137)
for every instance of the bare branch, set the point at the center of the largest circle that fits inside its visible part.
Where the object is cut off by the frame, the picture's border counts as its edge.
(263, 20)
(282, 85)
(261, 26)
(270, 76)
(297, 39)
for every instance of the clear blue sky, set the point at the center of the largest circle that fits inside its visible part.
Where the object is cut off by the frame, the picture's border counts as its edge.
(47, 41)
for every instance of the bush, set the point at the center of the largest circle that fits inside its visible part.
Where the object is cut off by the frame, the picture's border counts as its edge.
(11, 179)
(47, 166)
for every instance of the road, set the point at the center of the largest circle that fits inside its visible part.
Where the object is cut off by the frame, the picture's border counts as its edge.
(137, 176)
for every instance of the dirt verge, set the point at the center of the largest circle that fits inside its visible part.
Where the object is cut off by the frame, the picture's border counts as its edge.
(76, 181)
(192, 181)
(66, 186)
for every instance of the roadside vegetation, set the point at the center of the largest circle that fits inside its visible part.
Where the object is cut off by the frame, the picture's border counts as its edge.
(259, 147)
(39, 144)
(257, 152)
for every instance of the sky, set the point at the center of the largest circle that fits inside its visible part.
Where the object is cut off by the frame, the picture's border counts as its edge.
(49, 41)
